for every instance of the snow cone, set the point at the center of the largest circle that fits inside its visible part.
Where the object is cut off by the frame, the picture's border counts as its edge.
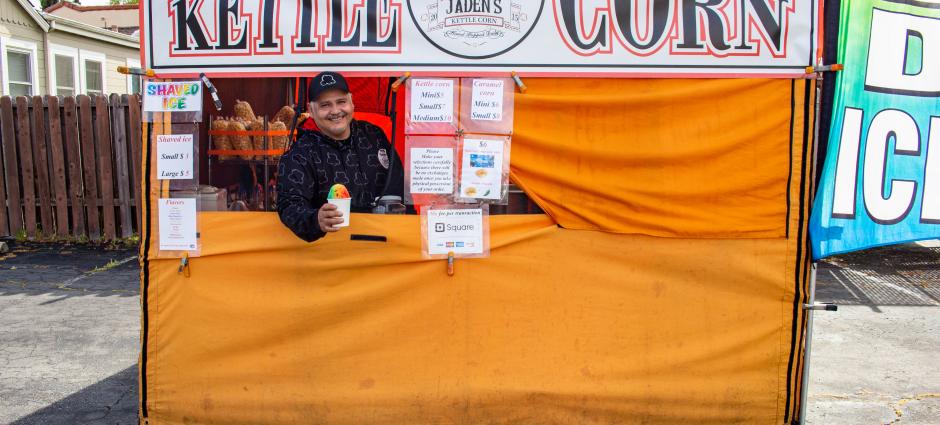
(339, 196)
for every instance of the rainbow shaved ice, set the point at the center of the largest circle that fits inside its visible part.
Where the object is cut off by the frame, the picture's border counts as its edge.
(338, 191)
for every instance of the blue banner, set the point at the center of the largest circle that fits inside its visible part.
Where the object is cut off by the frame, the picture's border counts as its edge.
(881, 180)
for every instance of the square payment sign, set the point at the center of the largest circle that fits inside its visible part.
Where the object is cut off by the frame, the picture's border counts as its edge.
(455, 230)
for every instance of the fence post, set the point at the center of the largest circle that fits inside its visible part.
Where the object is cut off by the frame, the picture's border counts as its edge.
(135, 139)
(74, 152)
(11, 168)
(41, 162)
(105, 168)
(89, 167)
(59, 188)
(122, 173)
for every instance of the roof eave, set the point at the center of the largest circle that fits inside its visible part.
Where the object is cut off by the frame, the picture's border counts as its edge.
(90, 31)
(33, 13)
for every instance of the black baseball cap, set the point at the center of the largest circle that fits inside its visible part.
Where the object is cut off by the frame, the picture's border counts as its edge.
(326, 81)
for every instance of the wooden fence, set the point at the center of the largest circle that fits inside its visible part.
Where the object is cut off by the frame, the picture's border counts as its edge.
(70, 167)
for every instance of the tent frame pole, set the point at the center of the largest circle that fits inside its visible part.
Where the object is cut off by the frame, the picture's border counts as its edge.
(807, 308)
(810, 311)
(810, 307)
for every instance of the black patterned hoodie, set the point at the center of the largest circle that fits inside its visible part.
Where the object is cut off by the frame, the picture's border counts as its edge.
(315, 162)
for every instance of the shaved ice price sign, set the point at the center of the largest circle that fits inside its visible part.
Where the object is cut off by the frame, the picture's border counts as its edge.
(173, 96)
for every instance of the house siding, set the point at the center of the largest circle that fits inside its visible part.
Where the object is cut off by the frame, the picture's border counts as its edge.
(115, 55)
(15, 23)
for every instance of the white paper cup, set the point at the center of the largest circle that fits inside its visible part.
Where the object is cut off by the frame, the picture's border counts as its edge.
(342, 205)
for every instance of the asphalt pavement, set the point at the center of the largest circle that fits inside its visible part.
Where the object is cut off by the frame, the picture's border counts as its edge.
(70, 322)
(69, 332)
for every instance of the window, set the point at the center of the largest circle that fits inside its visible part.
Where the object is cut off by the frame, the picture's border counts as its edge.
(19, 67)
(64, 78)
(93, 72)
(133, 81)
(64, 75)
(94, 81)
(21, 80)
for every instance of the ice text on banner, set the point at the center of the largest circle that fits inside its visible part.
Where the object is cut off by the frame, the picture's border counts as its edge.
(881, 179)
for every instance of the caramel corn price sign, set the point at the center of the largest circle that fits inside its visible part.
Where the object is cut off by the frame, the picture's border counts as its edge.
(173, 96)
(487, 100)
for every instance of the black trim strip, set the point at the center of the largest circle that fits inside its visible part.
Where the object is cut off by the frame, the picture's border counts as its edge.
(145, 265)
(798, 290)
(790, 159)
(804, 271)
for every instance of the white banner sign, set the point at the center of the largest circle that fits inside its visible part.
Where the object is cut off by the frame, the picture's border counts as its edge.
(449, 37)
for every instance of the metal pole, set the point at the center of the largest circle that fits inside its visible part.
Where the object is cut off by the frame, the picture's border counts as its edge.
(809, 342)
(810, 307)
(812, 278)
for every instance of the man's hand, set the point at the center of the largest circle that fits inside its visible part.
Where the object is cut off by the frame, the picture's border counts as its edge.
(329, 217)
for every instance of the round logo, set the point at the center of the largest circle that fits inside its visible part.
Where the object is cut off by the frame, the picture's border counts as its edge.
(475, 29)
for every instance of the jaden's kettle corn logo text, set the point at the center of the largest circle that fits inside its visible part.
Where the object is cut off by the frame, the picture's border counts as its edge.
(475, 29)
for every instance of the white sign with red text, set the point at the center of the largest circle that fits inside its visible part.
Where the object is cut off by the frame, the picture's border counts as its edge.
(177, 224)
(175, 157)
(757, 38)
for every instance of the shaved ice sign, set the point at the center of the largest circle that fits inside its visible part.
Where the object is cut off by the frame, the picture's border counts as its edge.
(173, 96)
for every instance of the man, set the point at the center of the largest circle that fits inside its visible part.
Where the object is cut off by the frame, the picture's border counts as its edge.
(338, 149)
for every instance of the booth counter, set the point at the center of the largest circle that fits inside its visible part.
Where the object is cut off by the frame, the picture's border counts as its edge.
(663, 284)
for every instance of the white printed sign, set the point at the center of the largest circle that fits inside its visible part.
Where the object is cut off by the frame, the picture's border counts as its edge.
(432, 170)
(534, 37)
(481, 170)
(177, 224)
(487, 100)
(458, 231)
(432, 101)
(175, 157)
(173, 96)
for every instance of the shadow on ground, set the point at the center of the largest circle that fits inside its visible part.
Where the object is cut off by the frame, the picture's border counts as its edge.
(899, 275)
(112, 401)
(69, 270)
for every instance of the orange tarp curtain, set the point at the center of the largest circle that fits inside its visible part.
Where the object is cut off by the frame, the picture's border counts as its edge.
(676, 158)
(558, 325)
